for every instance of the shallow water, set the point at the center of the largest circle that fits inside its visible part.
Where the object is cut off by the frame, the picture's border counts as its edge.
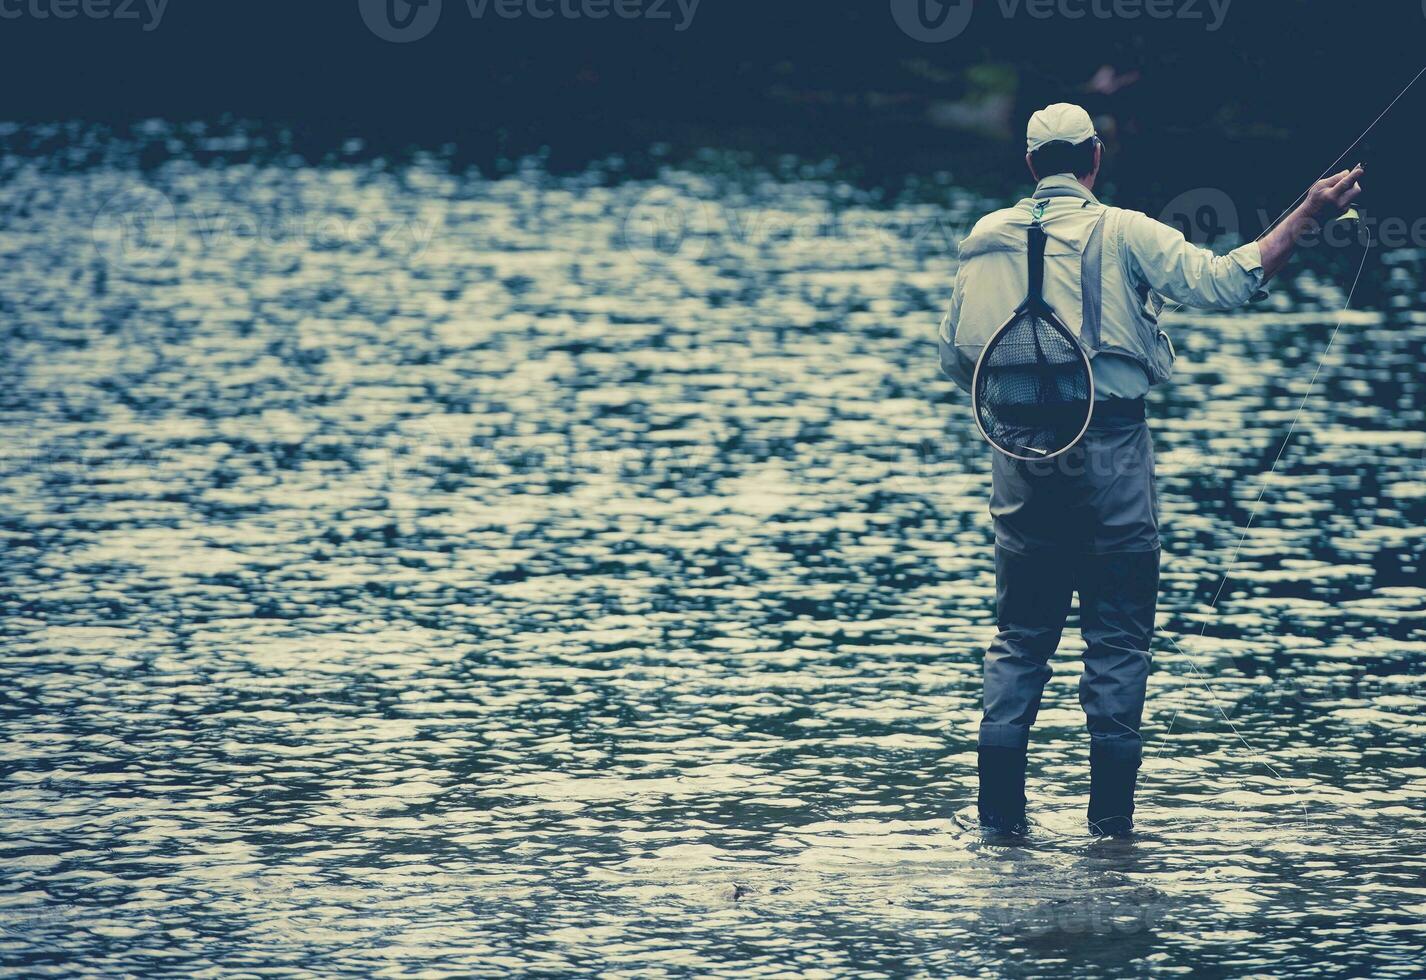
(586, 573)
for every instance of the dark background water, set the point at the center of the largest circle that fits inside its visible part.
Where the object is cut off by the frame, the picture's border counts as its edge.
(487, 506)
(1256, 100)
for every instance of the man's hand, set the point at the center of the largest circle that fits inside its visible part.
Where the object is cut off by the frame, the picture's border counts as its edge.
(1330, 196)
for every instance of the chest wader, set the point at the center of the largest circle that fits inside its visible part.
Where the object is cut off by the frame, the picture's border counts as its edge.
(1033, 399)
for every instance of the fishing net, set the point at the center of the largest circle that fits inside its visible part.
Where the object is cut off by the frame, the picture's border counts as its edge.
(1033, 393)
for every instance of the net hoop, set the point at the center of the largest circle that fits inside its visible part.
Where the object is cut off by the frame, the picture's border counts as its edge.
(1048, 314)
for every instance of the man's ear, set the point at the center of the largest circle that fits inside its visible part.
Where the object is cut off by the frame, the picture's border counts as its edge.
(1098, 156)
(1031, 166)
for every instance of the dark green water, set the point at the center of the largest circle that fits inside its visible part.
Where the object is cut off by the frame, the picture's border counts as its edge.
(416, 574)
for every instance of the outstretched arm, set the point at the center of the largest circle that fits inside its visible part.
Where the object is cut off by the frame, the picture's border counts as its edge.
(1329, 196)
(1159, 256)
(1193, 276)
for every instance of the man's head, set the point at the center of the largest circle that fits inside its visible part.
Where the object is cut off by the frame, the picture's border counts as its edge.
(1061, 140)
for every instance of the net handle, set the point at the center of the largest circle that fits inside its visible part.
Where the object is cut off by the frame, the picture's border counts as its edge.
(1035, 240)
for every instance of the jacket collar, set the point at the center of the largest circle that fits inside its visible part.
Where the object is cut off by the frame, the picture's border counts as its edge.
(1062, 185)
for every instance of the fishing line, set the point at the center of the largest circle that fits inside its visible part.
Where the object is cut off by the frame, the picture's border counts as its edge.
(1258, 756)
(1237, 550)
(1262, 490)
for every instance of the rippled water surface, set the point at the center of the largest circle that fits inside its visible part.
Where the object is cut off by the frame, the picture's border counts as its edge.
(409, 572)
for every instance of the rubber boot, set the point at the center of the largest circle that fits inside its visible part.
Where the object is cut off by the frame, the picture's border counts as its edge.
(1002, 789)
(1113, 770)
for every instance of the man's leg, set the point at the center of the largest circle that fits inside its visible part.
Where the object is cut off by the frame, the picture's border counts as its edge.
(1033, 595)
(1118, 594)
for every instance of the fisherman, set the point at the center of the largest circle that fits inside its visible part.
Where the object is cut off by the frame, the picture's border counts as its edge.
(1086, 521)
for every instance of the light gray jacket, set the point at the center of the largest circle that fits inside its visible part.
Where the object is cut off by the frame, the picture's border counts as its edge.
(1107, 271)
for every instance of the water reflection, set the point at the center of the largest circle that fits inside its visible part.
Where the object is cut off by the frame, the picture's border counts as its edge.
(515, 580)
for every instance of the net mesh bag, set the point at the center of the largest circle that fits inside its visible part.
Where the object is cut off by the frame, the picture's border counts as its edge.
(1033, 392)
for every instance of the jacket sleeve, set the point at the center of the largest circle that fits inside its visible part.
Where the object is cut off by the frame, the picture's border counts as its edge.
(1160, 256)
(953, 364)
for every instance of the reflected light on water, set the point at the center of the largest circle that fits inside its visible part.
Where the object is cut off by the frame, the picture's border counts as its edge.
(409, 571)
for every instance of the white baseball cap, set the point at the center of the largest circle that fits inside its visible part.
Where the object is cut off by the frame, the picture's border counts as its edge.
(1061, 121)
